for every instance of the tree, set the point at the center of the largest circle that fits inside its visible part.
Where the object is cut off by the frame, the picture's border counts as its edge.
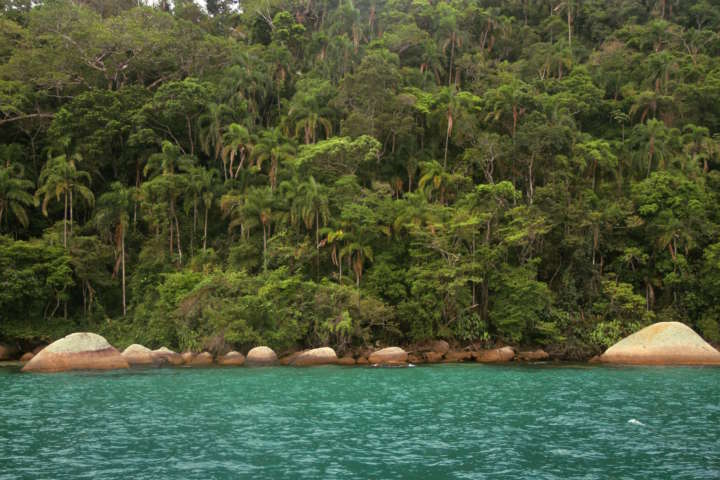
(258, 209)
(112, 218)
(60, 177)
(237, 142)
(14, 195)
(272, 147)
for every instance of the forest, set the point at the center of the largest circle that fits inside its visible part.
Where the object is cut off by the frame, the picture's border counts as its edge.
(349, 173)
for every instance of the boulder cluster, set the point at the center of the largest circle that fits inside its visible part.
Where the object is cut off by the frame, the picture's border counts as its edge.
(664, 343)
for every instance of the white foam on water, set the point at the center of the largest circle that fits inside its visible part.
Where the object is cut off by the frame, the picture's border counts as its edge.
(633, 421)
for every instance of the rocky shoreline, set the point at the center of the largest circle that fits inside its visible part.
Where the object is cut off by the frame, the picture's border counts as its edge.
(664, 343)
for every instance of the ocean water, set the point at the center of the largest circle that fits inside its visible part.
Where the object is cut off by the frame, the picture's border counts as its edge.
(428, 422)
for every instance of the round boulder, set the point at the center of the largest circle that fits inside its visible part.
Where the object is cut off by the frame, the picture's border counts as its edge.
(233, 358)
(533, 355)
(346, 361)
(137, 354)
(77, 351)
(316, 356)
(663, 343)
(389, 355)
(496, 355)
(439, 346)
(27, 357)
(202, 359)
(187, 357)
(261, 356)
(165, 355)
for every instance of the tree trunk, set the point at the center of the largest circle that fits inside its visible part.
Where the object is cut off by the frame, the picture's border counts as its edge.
(122, 252)
(65, 212)
(205, 230)
(194, 230)
(179, 245)
(264, 248)
(317, 245)
(71, 213)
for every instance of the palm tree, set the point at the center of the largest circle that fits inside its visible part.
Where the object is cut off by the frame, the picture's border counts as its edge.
(357, 253)
(211, 130)
(312, 204)
(510, 97)
(652, 142)
(14, 196)
(309, 111)
(112, 218)
(437, 178)
(238, 142)
(60, 177)
(199, 186)
(274, 148)
(259, 205)
(168, 184)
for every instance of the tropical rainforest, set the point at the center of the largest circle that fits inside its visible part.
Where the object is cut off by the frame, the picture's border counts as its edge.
(349, 173)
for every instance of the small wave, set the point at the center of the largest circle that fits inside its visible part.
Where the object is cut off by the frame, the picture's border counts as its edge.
(633, 421)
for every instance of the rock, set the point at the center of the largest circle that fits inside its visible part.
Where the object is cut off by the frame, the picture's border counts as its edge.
(27, 357)
(316, 356)
(533, 355)
(361, 361)
(454, 356)
(38, 349)
(663, 343)
(8, 352)
(346, 361)
(289, 359)
(202, 359)
(439, 346)
(433, 357)
(261, 356)
(497, 355)
(389, 355)
(415, 358)
(138, 355)
(594, 359)
(233, 358)
(187, 357)
(77, 351)
(165, 355)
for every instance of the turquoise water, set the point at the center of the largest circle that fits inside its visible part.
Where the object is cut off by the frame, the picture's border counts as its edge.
(445, 421)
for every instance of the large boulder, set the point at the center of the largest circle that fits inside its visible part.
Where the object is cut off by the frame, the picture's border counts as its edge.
(389, 355)
(233, 358)
(316, 356)
(165, 355)
(201, 360)
(663, 343)
(77, 351)
(137, 354)
(187, 357)
(261, 356)
(496, 355)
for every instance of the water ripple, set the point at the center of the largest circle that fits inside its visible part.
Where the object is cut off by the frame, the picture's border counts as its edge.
(445, 421)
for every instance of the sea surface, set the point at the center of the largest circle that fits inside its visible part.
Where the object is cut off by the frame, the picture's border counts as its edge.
(428, 422)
